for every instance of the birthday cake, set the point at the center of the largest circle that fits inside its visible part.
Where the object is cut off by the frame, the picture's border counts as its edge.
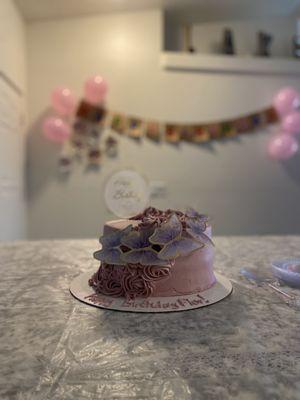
(155, 254)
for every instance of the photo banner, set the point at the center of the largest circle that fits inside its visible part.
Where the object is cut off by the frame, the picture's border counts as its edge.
(137, 128)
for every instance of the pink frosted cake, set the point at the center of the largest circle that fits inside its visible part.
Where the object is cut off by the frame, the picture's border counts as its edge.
(156, 253)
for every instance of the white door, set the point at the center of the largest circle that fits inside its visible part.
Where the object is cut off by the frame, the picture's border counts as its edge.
(12, 204)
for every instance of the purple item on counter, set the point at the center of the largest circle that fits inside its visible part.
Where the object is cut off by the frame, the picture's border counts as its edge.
(288, 271)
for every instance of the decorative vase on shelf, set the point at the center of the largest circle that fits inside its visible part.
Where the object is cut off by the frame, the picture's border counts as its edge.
(264, 41)
(296, 46)
(228, 42)
(296, 40)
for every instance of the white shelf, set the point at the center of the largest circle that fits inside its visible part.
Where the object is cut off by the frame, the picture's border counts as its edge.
(229, 64)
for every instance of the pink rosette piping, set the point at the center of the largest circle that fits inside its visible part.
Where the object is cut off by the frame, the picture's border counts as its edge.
(130, 281)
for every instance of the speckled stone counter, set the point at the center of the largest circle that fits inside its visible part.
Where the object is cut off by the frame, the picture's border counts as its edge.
(54, 347)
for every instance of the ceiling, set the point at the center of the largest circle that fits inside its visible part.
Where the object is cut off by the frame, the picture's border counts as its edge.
(33, 10)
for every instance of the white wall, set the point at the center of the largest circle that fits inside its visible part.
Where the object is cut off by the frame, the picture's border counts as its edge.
(232, 180)
(12, 121)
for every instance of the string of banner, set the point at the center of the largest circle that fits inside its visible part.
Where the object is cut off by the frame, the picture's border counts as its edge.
(196, 133)
(82, 126)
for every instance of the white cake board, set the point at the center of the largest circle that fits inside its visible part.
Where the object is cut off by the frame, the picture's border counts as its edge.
(83, 292)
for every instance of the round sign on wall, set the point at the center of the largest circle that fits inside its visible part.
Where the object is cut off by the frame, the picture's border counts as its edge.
(126, 193)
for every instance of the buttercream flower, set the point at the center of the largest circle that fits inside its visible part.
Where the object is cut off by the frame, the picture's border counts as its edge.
(134, 284)
(129, 281)
(107, 280)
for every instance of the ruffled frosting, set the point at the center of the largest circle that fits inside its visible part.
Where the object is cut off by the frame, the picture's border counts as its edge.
(130, 280)
(152, 215)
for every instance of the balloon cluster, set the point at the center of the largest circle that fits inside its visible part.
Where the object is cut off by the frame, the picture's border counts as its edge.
(64, 103)
(284, 144)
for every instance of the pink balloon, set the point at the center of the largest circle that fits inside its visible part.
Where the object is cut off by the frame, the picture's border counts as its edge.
(56, 130)
(95, 89)
(286, 100)
(282, 147)
(291, 122)
(63, 101)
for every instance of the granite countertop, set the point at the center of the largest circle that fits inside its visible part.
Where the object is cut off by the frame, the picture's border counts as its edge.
(54, 347)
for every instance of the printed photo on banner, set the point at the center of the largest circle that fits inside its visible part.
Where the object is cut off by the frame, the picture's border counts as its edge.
(153, 131)
(119, 123)
(187, 133)
(201, 134)
(172, 133)
(135, 128)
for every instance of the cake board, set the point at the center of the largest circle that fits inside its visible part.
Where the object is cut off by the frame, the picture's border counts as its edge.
(81, 290)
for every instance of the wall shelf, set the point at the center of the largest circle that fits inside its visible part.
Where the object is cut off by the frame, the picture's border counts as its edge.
(229, 64)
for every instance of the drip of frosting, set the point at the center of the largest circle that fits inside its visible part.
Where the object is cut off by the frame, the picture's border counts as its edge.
(130, 280)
